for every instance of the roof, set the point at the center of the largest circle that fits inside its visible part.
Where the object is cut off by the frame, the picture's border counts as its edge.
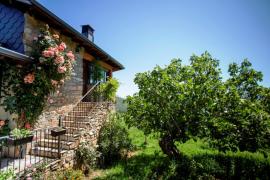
(45, 14)
(13, 55)
(11, 28)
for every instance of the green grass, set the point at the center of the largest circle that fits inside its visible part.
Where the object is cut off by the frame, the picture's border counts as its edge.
(147, 160)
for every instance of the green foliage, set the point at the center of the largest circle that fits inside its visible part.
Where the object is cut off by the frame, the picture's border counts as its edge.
(175, 101)
(113, 140)
(37, 172)
(86, 156)
(199, 161)
(242, 119)
(68, 174)
(7, 174)
(109, 89)
(4, 129)
(121, 106)
(20, 133)
(181, 102)
(233, 166)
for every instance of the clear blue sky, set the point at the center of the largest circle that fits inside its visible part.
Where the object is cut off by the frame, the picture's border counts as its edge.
(144, 33)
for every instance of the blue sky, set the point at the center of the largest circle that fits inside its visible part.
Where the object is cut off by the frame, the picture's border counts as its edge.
(144, 33)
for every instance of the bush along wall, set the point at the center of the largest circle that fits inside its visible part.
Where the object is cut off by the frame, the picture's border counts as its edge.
(240, 166)
(233, 166)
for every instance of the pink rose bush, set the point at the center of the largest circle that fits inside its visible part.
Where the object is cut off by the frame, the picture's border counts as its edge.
(71, 56)
(2, 123)
(56, 36)
(59, 60)
(54, 83)
(53, 63)
(29, 78)
(62, 69)
(57, 55)
(62, 46)
(48, 53)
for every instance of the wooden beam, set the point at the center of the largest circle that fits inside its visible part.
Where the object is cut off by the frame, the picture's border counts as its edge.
(105, 65)
(88, 57)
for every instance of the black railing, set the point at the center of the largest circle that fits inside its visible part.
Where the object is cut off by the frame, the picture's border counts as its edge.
(43, 148)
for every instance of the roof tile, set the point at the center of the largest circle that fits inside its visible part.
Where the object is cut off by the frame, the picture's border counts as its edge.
(11, 28)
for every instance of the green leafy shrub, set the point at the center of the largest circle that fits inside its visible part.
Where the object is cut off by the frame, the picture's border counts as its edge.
(86, 156)
(238, 165)
(113, 140)
(36, 171)
(20, 133)
(69, 174)
(202, 166)
(7, 175)
(109, 89)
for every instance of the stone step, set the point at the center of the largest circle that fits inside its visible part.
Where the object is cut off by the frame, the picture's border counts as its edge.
(79, 113)
(83, 108)
(83, 105)
(54, 165)
(75, 124)
(67, 145)
(46, 152)
(75, 130)
(70, 137)
(89, 104)
(76, 118)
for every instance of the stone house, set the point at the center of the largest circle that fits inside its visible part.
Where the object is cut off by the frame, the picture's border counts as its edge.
(20, 22)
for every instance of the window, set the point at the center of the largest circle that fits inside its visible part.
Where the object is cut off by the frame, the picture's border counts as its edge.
(96, 73)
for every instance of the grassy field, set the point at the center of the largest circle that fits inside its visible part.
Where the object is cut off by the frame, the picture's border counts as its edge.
(146, 160)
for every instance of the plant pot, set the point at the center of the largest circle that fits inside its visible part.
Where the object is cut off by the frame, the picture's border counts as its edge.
(15, 151)
(58, 131)
(16, 142)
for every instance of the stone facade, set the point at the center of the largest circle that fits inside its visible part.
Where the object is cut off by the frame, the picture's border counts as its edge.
(64, 101)
(90, 132)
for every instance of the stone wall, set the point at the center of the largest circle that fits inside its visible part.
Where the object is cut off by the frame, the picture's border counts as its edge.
(90, 132)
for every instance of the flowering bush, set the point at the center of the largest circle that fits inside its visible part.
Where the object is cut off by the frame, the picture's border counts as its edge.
(27, 87)
(4, 129)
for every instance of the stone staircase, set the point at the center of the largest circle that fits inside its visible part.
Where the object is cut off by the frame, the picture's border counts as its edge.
(74, 122)
(83, 122)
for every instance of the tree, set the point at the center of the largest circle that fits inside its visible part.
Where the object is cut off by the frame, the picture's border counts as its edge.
(180, 102)
(243, 122)
(176, 101)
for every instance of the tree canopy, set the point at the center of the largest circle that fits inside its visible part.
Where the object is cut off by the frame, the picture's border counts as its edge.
(180, 102)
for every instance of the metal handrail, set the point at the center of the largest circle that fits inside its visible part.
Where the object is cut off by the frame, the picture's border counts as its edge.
(90, 90)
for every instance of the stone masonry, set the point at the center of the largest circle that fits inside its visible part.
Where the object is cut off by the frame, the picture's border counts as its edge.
(90, 131)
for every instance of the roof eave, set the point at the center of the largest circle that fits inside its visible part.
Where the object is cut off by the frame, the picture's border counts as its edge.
(14, 56)
(84, 39)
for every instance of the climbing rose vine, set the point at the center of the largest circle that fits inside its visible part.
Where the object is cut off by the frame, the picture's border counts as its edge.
(27, 87)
